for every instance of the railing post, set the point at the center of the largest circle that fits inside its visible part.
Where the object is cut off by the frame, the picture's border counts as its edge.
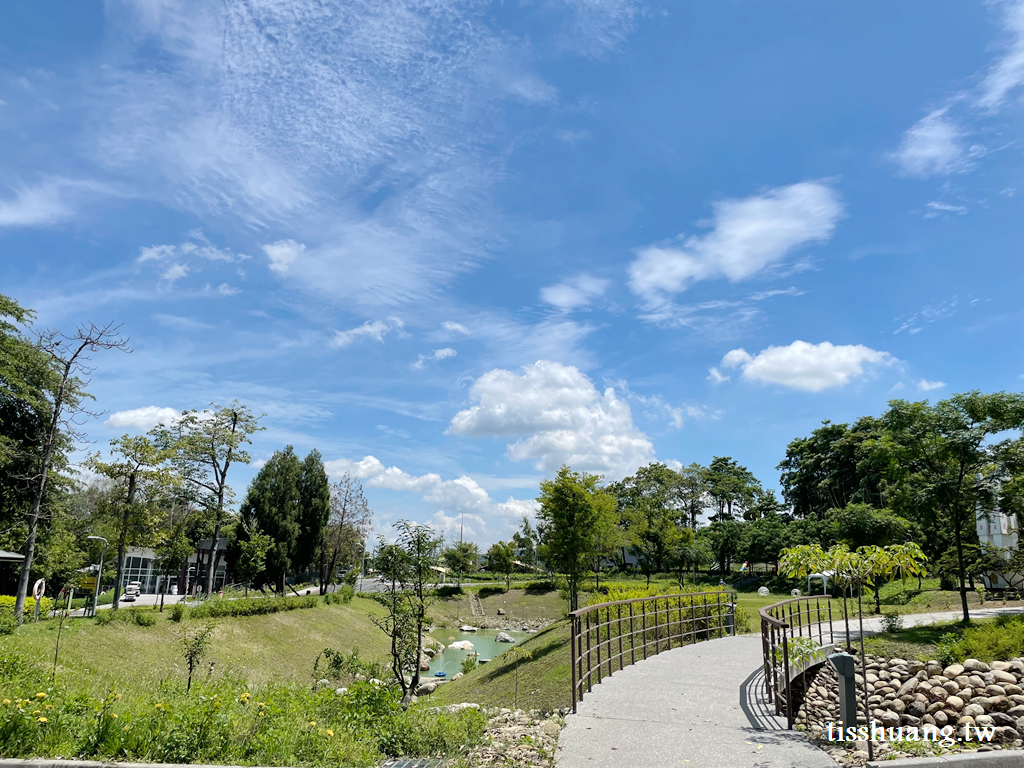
(789, 684)
(589, 667)
(619, 610)
(598, 644)
(573, 621)
(657, 637)
(632, 637)
(643, 616)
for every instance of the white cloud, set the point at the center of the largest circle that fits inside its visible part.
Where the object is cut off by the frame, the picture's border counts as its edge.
(574, 292)
(563, 418)
(455, 327)
(49, 202)
(935, 208)
(375, 329)
(437, 354)
(282, 254)
(933, 146)
(228, 290)
(927, 386)
(463, 495)
(143, 418)
(807, 367)
(716, 376)
(1008, 72)
(748, 236)
(174, 273)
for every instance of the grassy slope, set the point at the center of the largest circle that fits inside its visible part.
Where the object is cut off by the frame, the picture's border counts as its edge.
(543, 680)
(261, 648)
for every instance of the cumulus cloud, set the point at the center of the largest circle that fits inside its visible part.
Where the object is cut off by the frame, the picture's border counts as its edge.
(143, 418)
(560, 414)
(807, 367)
(748, 236)
(437, 354)
(375, 329)
(927, 386)
(574, 292)
(282, 254)
(174, 273)
(463, 495)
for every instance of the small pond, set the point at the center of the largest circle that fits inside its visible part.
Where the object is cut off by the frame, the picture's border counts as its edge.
(450, 660)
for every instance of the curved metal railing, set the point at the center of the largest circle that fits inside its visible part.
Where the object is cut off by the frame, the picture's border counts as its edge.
(784, 656)
(612, 635)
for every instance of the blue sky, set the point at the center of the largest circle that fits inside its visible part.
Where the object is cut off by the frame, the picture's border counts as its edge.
(453, 245)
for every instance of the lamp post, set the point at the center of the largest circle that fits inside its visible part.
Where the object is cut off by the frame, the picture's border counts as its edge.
(99, 573)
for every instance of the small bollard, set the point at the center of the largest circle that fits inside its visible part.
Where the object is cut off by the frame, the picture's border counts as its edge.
(844, 664)
(730, 620)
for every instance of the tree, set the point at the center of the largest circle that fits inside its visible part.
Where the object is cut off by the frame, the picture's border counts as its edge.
(347, 527)
(171, 555)
(935, 455)
(689, 552)
(764, 540)
(652, 510)
(203, 446)
(609, 537)
(730, 486)
(501, 558)
(831, 469)
(393, 567)
(692, 492)
(525, 541)
(62, 407)
(252, 556)
(765, 504)
(724, 537)
(461, 557)
(138, 475)
(313, 513)
(568, 515)
(271, 506)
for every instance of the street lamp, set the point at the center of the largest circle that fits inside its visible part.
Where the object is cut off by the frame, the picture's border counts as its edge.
(99, 573)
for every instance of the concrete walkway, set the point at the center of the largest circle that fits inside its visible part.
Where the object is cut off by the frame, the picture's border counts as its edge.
(701, 705)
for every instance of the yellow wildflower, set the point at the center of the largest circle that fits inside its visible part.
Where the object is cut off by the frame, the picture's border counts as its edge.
(42, 720)
(261, 714)
(37, 712)
(312, 723)
(40, 695)
(48, 707)
(330, 733)
(260, 704)
(126, 728)
(118, 696)
(6, 702)
(114, 715)
(159, 706)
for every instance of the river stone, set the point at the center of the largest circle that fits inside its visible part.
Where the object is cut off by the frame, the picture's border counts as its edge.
(466, 628)
(1002, 677)
(890, 719)
(984, 720)
(999, 704)
(963, 681)
(938, 694)
(977, 682)
(1013, 689)
(1017, 711)
(457, 676)
(933, 668)
(1002, 666)
(940, 718)
(1001, 718)
(461, 645)
(973, 665)
(503, 637)
(1004, 734)
(908, 687)
(426, 688)
(918, 709)
(974, 710)
(935, 706)
(955, 702)
(953, 670)
(951, 687)
(899, 707)
(915, 666)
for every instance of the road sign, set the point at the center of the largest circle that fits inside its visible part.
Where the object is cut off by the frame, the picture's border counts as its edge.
(88, 582)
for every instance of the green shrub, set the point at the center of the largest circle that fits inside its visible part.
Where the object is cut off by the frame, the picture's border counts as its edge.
(469, 664)
(540, 586)
(347, 593)
(488, 591)
(7, 624)
(892, 621)
(177, 612)
(256, 606)
(7, 605)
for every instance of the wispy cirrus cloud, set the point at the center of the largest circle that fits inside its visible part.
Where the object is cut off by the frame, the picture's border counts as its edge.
(371, 329)
(51, 201)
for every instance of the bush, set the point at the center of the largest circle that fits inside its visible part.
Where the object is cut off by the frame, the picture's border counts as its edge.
(341, 596)
(7, 624)
(1001, 639)
(892, 621)
(488, 591)
(449, 591)
(347, 593)
(468, 664)
(7, 605)
(540, 586)
(177, 612)
(257, 606)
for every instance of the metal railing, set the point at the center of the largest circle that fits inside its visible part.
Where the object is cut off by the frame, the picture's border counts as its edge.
(786, 656)
(614, 635)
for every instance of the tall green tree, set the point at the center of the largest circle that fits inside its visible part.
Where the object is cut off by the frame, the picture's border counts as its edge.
(139, 479)
(271, 506)
(204, 445)
(501, 558)
(347, 528)
(525, 540)
(725, 539)
(461, 558)
(937, 457)
(732, 487)
(314, 511)
(764, 539)
(421, 546)
(568, 514)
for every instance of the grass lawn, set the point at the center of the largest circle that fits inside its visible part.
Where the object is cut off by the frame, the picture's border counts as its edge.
(276, 647)
(911, 643)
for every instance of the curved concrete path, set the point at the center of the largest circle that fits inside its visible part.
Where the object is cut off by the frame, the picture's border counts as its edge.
(701, 705)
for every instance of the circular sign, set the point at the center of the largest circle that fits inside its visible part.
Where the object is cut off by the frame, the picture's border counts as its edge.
(39, 589)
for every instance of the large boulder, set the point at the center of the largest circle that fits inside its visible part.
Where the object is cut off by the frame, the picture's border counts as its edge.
(973, 665)
(461, 645)
(504, 637)
(426, 688)
(466, 628)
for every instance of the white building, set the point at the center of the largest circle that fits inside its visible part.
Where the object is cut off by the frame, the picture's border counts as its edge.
(998, 529)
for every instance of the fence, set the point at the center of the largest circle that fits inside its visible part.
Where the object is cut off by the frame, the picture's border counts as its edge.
(613, 635)
(788, 632)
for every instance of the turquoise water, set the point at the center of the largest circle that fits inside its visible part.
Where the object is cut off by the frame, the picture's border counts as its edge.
(450, 660)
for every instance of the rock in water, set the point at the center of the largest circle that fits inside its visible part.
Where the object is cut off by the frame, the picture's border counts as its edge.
(466, 628)
(503, 637)
(461, 645)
